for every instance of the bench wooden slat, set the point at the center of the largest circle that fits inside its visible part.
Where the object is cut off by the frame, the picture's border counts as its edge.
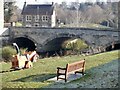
(77, 67)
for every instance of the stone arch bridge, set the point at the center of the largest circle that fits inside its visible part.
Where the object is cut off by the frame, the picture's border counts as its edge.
(48, 39)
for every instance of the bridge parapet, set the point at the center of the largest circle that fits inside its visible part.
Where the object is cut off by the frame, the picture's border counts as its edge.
(40, 36)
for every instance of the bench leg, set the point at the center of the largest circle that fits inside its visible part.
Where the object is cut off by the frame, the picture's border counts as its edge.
(57, 76)
(65, 77)
(65, 80)
(57, 73)
(83, 72)
(80, 72)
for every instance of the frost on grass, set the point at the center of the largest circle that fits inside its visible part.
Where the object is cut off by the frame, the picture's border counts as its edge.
(103, 76)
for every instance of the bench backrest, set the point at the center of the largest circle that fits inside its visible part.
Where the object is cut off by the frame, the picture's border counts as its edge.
(75, 66)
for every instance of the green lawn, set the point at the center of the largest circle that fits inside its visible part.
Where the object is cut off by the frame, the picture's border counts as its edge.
(87, 25)
(43, 69)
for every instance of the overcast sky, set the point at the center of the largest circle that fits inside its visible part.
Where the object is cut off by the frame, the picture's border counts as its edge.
(20, 3)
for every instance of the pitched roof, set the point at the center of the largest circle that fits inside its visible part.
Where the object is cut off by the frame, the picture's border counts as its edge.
(44, 9)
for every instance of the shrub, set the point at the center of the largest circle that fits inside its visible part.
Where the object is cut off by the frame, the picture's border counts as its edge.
(77, 45)
(0, 54)
(18, 24)
(7, 53)
(74, 46)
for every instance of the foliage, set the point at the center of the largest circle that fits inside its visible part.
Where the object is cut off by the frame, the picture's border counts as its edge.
(7, 53)
(0, 54)
(18, 24)
(10, 12)
(77, 45)
(0, 51)
(37, 76)
(78, 13)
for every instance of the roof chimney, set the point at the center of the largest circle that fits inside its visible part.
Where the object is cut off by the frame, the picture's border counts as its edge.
(24, 6)
(52, 3)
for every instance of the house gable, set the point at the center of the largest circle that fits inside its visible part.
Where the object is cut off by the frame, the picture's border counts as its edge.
(42, 9)
(38, 15)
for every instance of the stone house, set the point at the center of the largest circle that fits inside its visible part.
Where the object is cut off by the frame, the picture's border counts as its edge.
(38, 15)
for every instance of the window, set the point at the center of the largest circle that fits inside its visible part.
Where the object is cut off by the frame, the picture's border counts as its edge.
(36, 18)
(28, 18)
(45, 18)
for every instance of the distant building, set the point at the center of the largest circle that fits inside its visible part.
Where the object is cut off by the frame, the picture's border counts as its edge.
(38, 15)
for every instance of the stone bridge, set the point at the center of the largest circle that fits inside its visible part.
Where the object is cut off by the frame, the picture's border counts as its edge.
(48, 39)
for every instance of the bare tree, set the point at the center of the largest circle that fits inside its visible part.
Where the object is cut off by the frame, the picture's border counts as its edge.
(93, 14)
(73, 15)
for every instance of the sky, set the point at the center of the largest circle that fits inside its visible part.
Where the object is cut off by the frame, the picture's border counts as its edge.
(20, 3)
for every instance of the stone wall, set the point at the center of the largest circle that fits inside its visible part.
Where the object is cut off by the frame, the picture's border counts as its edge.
(40, 36)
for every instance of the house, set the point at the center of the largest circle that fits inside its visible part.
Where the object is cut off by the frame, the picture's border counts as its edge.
(38, 15)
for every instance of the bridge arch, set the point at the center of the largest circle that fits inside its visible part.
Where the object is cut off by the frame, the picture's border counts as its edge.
(64, 36)
(113, 46)
(25, 42)
(56, 41)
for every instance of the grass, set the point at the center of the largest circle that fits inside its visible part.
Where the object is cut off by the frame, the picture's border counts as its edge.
(43, 69)
(88, 25)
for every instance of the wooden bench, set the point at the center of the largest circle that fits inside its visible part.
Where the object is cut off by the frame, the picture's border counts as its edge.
(76, 67)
